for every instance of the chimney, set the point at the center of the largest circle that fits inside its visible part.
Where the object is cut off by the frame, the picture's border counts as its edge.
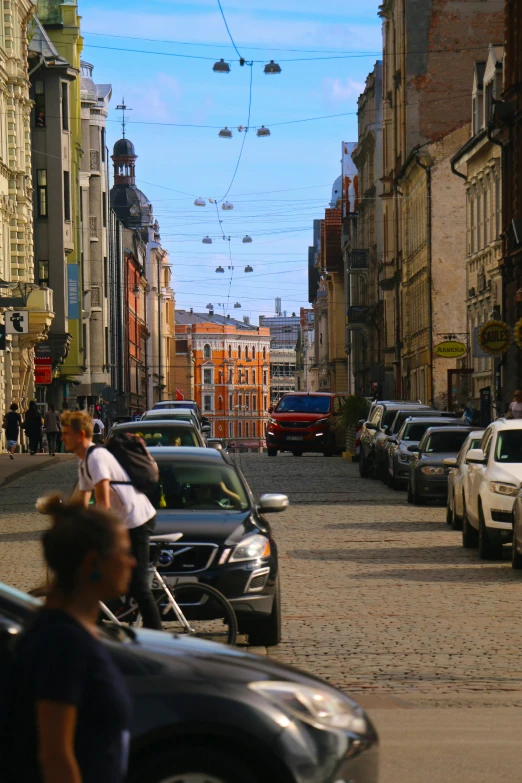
(191, 310)
(210, 313)
(246, 319)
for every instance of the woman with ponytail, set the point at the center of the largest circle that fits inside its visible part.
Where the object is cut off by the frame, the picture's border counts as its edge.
(69, 707)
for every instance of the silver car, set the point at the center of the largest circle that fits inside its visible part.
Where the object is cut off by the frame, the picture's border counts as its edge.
(457, 465)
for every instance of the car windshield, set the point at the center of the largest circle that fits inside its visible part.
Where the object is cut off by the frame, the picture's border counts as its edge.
(163, 434)
(199, 487)
(173, 405)
(169, 414)
(509, 446)
(303, 404)
(445, 442)
(389, 416)
(415, 430)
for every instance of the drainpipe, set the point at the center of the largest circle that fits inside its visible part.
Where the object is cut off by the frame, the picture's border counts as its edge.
(160, 338)
(427, 169)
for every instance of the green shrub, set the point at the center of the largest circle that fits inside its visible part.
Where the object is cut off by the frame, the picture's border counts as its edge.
(355, 408)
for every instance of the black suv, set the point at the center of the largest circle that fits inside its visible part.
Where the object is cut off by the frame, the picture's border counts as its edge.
(375, 430)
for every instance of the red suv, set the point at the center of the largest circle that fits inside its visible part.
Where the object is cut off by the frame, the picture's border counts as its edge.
(306, 422)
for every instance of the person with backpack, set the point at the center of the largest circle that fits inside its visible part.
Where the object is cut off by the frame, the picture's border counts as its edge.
(100, 471)
(98, 430)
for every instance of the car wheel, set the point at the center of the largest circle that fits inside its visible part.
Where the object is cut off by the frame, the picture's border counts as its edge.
(391, 481)
(488, 549)
(297, 453)
(449, 514)
(516, 557)
(363, 467)
(456, 521)
(272, 452)
(329, 449)
(417, 499)
(469, 534)
(192, 765)
(266, 631)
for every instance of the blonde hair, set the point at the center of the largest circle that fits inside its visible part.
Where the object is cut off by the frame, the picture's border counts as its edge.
(78, 421)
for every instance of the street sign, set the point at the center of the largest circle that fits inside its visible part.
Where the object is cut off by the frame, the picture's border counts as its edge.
(450, 349)
(43, 375)
(43, 364)
(17, 322)
(494, 338)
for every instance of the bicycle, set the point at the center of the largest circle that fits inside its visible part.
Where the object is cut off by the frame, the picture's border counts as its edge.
(197, 609)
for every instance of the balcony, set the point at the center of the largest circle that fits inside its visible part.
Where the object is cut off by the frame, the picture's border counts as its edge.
(358, 260)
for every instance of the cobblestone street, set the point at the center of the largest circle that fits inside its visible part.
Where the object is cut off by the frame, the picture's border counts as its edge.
(380, 599)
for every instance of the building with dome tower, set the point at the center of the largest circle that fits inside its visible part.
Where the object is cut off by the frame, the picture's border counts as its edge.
(145, 295)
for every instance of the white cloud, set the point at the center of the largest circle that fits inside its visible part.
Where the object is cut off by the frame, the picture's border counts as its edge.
(337, 91)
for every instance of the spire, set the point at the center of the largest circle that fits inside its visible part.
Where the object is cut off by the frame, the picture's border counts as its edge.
(123, 108)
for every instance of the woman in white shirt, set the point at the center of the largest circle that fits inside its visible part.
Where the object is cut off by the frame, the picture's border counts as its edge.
(516, 406)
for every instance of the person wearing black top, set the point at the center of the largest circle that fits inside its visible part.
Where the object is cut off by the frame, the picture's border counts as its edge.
(68, 710)
(33, 426)
(11, 424)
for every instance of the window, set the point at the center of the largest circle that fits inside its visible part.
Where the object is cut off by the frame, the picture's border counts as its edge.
(240, 400)
(220, 403)
(104, 205)
(264, 353)
(231, 376)
(239, 352)
(265, 402)
(265, 378)
(231, 429)
(67, 195)
(253, 352)
(254, 429)
(41, 192)
(254, 402)
(105, 276)
(230, 402)
(207, 402)
(65, 106)
(246, 351)
(247, 401)
(254, 377)
(207, 377)
(39, 104)
(207, 353)
(239, 429)
(229, 351)
(246, 376)
(103, 144)
(43, 273)
(246, 429)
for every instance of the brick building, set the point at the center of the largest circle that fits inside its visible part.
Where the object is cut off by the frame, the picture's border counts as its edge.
(224, 365)
(429, 52)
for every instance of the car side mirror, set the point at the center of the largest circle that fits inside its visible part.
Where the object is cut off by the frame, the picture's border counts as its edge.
(215, 443)
(370, 425)
(413, 448)
(451, 462)
(476, 457)
(271, 503)
(271, 409)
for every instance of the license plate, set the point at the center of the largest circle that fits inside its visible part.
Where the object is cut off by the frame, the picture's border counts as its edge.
(172, 581)
(295, 437)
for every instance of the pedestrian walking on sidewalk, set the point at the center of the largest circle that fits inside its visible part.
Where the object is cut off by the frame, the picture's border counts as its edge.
(100, 472)
(33, 426)
(52, 428)
(98, 430)
(68, 708)
(11, 424)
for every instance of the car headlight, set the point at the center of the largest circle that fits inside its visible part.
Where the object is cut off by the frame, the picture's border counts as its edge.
(503, 489)
(313, 705)
(272, 421)
(320, 422)
(251, 548)
(431, 471)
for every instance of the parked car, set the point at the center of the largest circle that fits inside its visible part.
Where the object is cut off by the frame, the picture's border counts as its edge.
(375, 430)
(411, 434)
(428, 479)
(457, 470)
(170, 404)
(205, 711)
(162, 432)
(304, 421)
(490, 486)
(227, 542)
(183, 414)
(516, 540)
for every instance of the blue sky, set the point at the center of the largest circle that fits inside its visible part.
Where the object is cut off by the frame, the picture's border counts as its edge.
(284, 181)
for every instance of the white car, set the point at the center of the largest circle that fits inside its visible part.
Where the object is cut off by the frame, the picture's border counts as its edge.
(490, 485)
(458, 468)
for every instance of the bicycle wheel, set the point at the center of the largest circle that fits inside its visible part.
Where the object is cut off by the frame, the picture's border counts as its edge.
(207, 611)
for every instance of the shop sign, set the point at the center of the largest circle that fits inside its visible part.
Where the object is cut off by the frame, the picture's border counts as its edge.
(43, 364)
(43, 375)
(518, 333)
(494, 338)
(450, 349)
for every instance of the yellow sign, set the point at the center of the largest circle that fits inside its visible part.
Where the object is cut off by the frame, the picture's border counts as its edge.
(494, 337)
(518, 333)
(450, 349)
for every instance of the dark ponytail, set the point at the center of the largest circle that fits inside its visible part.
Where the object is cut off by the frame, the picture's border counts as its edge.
(75, 531)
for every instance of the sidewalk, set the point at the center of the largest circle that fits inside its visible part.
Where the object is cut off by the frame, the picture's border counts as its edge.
(12, 469)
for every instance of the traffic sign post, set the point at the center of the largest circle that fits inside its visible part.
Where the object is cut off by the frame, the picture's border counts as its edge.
(17, 322)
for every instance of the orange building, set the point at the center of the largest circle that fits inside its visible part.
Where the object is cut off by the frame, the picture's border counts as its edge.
(224, 365)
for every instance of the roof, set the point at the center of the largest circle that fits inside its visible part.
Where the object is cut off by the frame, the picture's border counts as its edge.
(131, 206)
(41, 44)
(186, 318)
(124, 148)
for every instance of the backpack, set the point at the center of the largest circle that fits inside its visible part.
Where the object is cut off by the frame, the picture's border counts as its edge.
(96, 429)
(134, 458)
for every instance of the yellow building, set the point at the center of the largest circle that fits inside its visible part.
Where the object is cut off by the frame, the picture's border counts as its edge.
(17, 289)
